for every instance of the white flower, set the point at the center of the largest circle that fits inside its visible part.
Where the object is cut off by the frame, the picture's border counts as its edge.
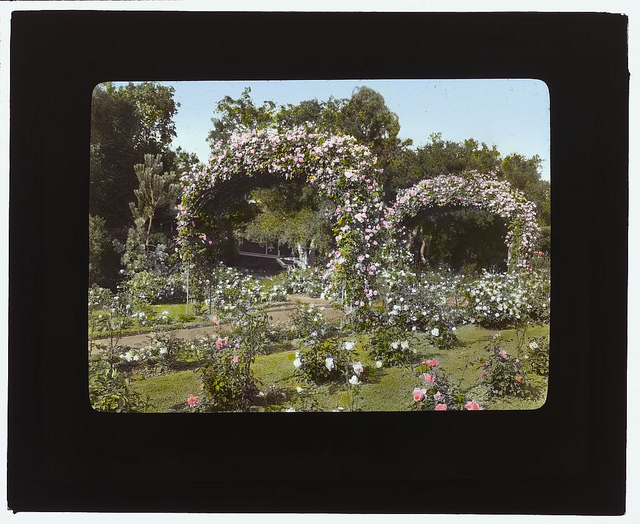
(163, 351)
(261, 394)
(289, 410)
(297, 354)
(328, 362)
(378, 363)
(533, 345)
(348, 345)
(404, 344)
(299, 389)
(435, 332)
(395, 345)
(358, 368)
(297, 363)
(353, 380)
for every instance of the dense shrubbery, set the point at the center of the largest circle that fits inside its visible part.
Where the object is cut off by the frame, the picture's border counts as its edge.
(497, 300)
(325, 360)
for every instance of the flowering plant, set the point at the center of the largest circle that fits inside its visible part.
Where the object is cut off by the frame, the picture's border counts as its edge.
(324, 361)
(343, 171)
(392, 346)
(479, 191)
(308, 320)
(504, 374)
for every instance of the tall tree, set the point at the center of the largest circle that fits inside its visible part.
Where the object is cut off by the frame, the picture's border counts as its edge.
(239, 115)
(127, 122)
(155, 190)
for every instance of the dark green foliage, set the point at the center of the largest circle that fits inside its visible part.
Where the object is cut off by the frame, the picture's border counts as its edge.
(109, 391)
(391, 345)
(126, 123)
(313, 359)
(99, 243)
(504, 374)
(230, 385)
(536, 359)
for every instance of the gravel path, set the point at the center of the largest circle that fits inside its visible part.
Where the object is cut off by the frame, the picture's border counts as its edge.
(279, 315)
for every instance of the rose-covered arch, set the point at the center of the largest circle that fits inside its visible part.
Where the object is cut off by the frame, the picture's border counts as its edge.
(341, 169)
(479, 191)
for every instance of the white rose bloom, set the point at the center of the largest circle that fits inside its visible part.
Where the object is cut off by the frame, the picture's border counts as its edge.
(297, 363)
(299, 389)
(349, 345)
(378, 363)
(404, 344)
(358, 368)
(533, 345)
(328, 362)
(353, 380)
(395, 345)
(435, 332)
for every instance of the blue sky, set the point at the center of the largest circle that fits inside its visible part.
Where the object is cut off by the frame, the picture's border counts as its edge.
(513, 114)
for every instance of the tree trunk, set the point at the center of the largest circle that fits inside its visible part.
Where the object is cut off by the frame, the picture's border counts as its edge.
(146, 240)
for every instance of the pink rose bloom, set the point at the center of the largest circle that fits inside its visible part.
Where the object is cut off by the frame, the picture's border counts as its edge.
(418, 395)
(235, 359)
(432, 363)
(473, 406)
(503, 354)
(428, 377)
(215, 320)
(437, 396)
(219, 344)
(193, 401)
(441, 407)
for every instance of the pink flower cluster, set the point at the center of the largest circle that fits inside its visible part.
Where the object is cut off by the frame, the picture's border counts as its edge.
(342, 169)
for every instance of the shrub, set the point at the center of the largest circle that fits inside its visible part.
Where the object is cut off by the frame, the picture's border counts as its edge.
(504, 374)
(325, 360)
(304, 281)
(536, 358)
(497, 300)
(419, 302)
(435, 391)
(109, 390)
(308, 320)
(391, 346)
(229, 381)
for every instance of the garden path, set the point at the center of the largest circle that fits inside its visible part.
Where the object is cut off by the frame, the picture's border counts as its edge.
(279, 315)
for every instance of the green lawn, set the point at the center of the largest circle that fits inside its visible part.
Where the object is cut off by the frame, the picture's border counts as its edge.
(385, 389)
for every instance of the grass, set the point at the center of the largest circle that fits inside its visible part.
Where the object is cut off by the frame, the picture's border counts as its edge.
(385, 389)
(168, 391)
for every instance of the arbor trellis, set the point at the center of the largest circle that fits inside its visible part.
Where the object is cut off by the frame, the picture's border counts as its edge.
(481, 192)
(346, 173)
(341, 169)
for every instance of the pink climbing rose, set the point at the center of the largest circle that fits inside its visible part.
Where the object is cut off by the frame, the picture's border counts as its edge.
(418, 395)
(193, 401)
(441, 407)
(473, 406)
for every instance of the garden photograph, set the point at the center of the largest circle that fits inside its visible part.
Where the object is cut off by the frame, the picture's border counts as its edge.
(319, 246)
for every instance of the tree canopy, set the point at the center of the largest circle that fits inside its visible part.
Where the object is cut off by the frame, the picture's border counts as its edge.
(127, 122)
